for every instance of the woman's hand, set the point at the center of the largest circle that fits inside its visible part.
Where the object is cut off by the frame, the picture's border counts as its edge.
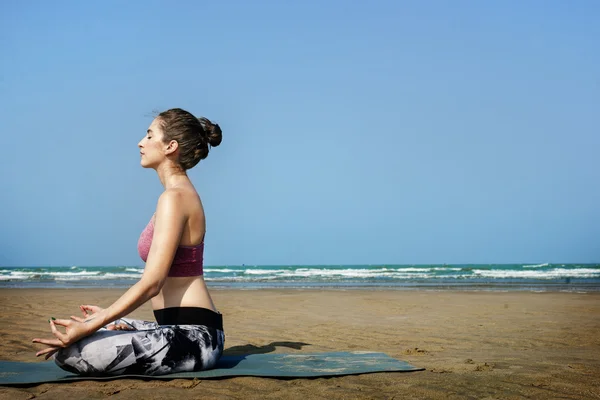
(120, 327)
(89, 312)
(74, 331)
(86, 309)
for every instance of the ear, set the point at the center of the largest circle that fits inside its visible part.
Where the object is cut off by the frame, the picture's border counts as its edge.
(172, 147)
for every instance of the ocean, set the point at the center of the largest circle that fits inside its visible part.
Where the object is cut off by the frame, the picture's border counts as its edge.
(535, 277)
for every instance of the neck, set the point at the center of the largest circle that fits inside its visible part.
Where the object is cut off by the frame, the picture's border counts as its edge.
(171, 176)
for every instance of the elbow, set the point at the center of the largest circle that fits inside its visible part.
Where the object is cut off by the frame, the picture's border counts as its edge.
(152, 287)
(153, 291)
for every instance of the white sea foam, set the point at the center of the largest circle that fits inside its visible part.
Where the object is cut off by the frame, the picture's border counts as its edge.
(308, 273)
(223, 270)
(241, 279)
(263, 271)
(410, 269)
(108, 276)
(536, 265)
(352, 271)
(51, 273)
(552, 274)
(327, 275)
(12, 277)
(312, 272)
(112, 275)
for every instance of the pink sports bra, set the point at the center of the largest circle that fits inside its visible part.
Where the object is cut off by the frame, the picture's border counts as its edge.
(187, 261)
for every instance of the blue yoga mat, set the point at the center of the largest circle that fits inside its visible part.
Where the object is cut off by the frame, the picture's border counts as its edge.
(300, 365)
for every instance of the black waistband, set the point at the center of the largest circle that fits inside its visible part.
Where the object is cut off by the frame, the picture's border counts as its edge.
(189, 316)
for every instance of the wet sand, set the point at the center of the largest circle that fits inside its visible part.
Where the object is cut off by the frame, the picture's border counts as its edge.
(480, 345)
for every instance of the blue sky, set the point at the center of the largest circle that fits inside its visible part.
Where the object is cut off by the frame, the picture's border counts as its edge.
(374, 132)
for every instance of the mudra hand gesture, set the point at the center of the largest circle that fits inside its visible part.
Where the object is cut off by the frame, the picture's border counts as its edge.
(75, 328)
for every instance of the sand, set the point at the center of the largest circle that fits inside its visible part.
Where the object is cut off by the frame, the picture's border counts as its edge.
(479, 345)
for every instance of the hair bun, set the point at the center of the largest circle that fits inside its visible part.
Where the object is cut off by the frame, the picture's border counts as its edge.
(215, 135)
(213, 132)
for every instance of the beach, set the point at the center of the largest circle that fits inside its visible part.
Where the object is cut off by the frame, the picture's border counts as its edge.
(472, 344)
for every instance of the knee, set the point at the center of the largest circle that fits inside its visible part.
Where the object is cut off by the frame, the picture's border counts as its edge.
(70, 360)
(86, 357)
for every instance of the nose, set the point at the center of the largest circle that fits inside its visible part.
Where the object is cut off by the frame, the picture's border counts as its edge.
(140, 143)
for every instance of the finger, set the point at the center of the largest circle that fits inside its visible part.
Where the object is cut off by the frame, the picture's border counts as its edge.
(83, 312)
(63, 322)
(78, 319)
(61, 336)
(49, 342)
(50, 354)
(125, 327)
(46, 351)
(114, 327)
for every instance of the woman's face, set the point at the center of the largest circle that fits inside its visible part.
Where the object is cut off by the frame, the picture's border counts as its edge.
(152, 148)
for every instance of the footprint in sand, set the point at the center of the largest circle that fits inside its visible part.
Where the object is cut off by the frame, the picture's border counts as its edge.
(415, 351)
(484, 367)
(440, 371)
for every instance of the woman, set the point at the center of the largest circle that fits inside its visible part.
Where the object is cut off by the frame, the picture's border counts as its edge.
(188, 334)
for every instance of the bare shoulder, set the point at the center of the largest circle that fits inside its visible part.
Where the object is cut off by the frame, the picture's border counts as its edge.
(176, 201)
(171, 195)
(170, 198)
(170, 204)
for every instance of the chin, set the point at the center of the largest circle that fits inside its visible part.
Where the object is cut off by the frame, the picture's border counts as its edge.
(147, 165)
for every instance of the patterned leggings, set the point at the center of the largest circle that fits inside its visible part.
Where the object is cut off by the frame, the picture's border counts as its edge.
(148, 349)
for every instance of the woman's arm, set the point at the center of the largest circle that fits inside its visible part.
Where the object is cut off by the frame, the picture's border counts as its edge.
(168, 227)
